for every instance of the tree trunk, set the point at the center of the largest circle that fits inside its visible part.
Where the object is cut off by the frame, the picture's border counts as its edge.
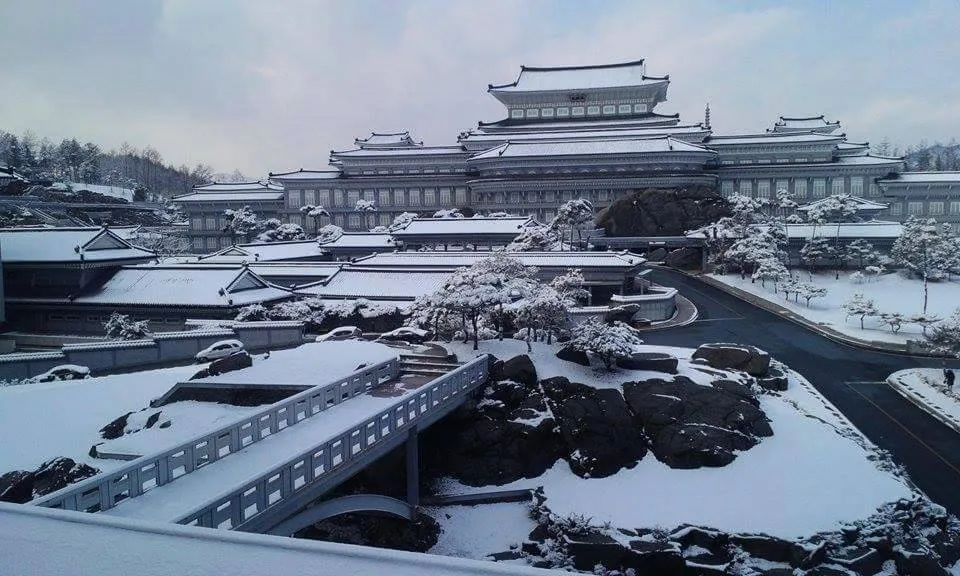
(926, 292)
(476, 334)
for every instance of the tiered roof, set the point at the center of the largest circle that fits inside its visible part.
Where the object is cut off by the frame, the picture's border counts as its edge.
(387, 140)
(805, 124)
(233, 191)
(266, 252)
(541, 79)
(301, 174)
(932, 178)
(775, 138)
(379, 284)
(464, 226)
(605, 146)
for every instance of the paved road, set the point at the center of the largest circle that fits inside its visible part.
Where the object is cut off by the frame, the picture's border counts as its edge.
(851, 378)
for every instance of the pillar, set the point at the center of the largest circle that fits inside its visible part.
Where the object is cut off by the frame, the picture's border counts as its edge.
(413, 467)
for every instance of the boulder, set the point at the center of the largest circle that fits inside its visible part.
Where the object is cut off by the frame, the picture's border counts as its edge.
(22, 486)
(750, 359)
(738, 389)
(571, 354)
(235, 361)
(663, 212)
(598, 432)
(859, 559)
(657, 255)
(690, 425)
(624, 313)
(765, 547)
(776, 379)
(377, 531)
(684, 259)
(652, 361)
(115, 428)
(519, 369)
(916, 560)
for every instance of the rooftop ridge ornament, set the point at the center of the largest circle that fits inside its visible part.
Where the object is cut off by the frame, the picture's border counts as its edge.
(706, 117)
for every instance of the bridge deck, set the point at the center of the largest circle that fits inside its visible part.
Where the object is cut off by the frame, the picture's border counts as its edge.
(174, 501)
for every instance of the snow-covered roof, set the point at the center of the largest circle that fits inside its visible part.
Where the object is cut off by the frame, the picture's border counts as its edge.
(464, 226)
(67, 245)
(387, 140)
(861, 204)
(114, 191)
(539, 79)
(867, 159)
(266, 252)
(590, 147)
(379, 283)
(871, 229)
(408, 151)
(183, 285)
(453, 260)
(773, 138)
(302, 174)
(233, 191)
(349, 240)
(560, 134)
(949, 178)
(651, 119)
(7, 172)
(804, 123)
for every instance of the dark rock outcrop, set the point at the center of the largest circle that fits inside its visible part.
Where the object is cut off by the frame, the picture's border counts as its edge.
(519, 369)
(684, 259)
(750, 359)
(663, 212)
(690, 425)
(21, 486)
(571, 354)
(775, 379)
(115, 428)
(379, 532)
(653, 361)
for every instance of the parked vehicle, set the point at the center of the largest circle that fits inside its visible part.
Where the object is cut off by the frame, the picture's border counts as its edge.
(341, 333)
(406, 334)
(62, 372)
(220, 349)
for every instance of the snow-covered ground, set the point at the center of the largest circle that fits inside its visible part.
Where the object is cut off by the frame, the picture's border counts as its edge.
(927, 385)
(890, 292)
(39, 422)
(477, 531)
(814, 474)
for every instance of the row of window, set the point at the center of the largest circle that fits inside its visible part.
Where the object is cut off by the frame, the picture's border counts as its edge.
(767, 189)
(101, 319)
(933, 208)
(547, 196)
(383, 197)
(775, 160)
(579, 111)
(460, 169)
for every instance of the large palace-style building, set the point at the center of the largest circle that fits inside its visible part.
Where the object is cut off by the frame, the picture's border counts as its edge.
(590, 132)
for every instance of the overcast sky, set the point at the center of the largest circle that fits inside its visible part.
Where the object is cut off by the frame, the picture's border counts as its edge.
(273, 85)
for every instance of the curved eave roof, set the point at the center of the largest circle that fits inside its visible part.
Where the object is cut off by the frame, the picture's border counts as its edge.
(612, 146)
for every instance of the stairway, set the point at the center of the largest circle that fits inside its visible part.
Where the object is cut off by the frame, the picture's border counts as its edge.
(427, 365)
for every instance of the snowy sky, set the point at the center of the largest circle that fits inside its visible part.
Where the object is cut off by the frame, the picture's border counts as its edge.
(273, 85)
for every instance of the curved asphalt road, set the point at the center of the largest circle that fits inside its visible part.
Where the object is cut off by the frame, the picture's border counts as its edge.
(851, 378)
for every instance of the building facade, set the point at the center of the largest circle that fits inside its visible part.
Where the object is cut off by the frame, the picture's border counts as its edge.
(591, 132)
(205, 209)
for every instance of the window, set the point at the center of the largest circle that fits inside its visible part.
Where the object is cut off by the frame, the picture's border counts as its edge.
(414, 197)
(819, 187)
(800, 160)
(856, 185)
(516, 113)
(896, 209)
(310, 197)
(533, 113)
(338, 197)
(726, 187)
(763, 189)
(936, 209)
(196, 223)
(352, 197)
(548, 215)
(383, 197)
(782, 160)
(198, 243)
(603, 196)
(593, 110)
(915, 208)
(783, 185)
(323, 197)
(211, 243)
(461, 196)
(640, 108)
(836, 186)
(294, 199)
(746, 187)
(445, 198)
(954, 207)
(385, 219)
(296, 219)
(353, 220)
(563, 112)
(430, 197)
(746, 161)
(514, 197)
(578, 110)
(800, 188)
(727, 162)
(546, 112)
(609, 109)
(211, 223)
(549, 196)
(763, 161)
(623, 109)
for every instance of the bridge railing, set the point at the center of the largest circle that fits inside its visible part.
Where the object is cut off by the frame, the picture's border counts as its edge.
(106, 490)
(240, 504)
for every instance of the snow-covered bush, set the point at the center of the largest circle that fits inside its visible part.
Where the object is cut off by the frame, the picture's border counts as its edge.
(860, 307)
(400, 221)
(252, 313)
(534, 239)
(242, 221)
(770, 270)
(329, 233)
(894, 320)
(608, 342)
(924, 321)
(448, 213)
(810, 291)
(315, 212)
(122, 327)
(570, 286)
(275, 231)
(944, 338)
(857, 277)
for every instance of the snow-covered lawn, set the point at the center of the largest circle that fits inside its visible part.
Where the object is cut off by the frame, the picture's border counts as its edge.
(814, 474)
(890, 292)
(927, 386)
(39, 422)
(478, 531)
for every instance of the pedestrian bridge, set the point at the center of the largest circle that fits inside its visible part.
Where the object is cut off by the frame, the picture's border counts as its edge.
(263, 471)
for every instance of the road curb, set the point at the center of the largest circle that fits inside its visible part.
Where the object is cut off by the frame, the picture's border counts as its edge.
(921, 402)
(800, 320)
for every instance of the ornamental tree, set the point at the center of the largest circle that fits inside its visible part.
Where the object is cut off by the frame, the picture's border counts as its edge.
(810, 291)
(573, 214)
(123, 327)
(944, 338)
(365, 207)
(861, 253)
(608, 342)
(570, 286)
(816, 250)
(543, 313)
(924, 249)
(329, 233)
(242, 221)
(861, 307)
(275, 231)
(534, 239)
(316, 212)
(401, 220)
(770, 270)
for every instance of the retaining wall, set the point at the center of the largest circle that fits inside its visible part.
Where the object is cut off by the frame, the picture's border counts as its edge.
(161, 348)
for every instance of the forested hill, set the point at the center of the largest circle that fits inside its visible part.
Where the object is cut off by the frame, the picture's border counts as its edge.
(924, 156)
(143, 170)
